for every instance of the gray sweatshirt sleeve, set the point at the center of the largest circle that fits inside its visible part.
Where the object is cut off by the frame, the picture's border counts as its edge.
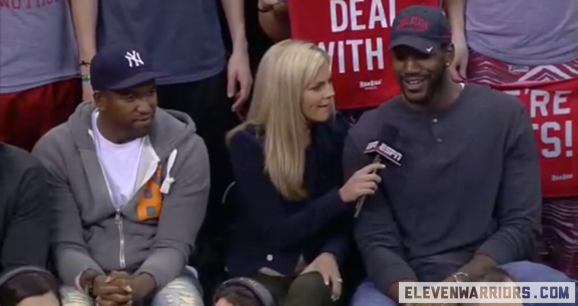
(71, 252)
(375, 230)
(182, 214)
(518, 206)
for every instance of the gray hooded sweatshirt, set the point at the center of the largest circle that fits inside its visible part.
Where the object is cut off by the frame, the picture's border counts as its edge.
(156, 230)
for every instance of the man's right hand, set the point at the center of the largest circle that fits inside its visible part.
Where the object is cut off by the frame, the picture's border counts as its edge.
(110, 291)
(363, 182)
(458, 68)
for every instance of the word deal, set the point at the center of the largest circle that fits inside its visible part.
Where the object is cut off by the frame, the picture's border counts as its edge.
(359, 15)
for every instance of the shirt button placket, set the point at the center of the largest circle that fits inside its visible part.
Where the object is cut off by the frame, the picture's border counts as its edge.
(435, 130)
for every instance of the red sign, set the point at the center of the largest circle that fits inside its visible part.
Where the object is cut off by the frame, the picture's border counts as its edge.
(355, 33)
(553, 107)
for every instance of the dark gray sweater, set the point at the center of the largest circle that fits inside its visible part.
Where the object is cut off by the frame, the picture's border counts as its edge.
(25, 212)
(469, 182)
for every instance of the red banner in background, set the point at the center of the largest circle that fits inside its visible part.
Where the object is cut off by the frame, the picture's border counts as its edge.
(355, 33)
(553, 107)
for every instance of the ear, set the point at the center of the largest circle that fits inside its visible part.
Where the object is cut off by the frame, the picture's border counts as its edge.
(449, 55)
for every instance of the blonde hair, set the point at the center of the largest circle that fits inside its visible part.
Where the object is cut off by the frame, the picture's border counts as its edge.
(284, 73)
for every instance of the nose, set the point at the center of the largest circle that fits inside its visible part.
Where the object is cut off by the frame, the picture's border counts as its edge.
(329, 91)
(144, 105)
(411, 65)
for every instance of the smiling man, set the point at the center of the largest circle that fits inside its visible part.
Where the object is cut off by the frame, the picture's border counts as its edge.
(466, 196)
(130, 184)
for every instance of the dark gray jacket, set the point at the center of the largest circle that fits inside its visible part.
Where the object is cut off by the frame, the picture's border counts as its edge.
(91, 233)
(24, 211)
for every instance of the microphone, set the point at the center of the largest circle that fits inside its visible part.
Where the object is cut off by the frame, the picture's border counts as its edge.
(382, 150)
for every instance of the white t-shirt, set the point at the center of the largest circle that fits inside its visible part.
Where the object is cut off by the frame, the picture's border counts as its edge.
(119, 163)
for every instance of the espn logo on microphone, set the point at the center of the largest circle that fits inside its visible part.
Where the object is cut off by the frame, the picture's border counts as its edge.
(384, 150)
(390, 153)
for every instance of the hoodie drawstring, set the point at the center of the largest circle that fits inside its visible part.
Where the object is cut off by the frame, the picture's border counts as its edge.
(166, 185)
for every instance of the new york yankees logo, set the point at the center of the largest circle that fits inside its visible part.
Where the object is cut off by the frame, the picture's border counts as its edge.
(134, 59)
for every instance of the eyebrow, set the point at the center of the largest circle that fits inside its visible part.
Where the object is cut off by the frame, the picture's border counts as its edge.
(123, 92)
(126, 92)
(315, 84)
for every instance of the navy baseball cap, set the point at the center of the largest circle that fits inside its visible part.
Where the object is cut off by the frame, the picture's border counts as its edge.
(121, 66)
(421, 27)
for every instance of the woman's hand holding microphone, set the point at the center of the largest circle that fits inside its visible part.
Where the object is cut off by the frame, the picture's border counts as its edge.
(364, 181)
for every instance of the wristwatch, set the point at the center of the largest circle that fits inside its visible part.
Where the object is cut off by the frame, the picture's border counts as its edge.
(461, 277)
(89, 288)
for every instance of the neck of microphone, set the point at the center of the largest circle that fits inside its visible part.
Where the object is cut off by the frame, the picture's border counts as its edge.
(360, 201)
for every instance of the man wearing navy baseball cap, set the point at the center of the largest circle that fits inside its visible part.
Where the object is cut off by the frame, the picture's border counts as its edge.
(130, 183)
(421, 33)
(119, 75)
(466, 196)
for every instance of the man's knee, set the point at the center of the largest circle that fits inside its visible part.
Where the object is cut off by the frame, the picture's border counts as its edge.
(309, 288)
(72, 297)
(368, 295)
(526, 271)
(182, 291)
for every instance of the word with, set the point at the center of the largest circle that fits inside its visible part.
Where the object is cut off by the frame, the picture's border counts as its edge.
(372, 48)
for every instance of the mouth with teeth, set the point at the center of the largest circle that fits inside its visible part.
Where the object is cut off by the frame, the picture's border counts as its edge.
(414, 84)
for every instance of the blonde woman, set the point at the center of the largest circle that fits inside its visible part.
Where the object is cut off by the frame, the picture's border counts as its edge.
(291, 231)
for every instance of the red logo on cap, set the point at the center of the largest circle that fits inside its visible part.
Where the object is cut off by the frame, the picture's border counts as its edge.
(414, 24)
